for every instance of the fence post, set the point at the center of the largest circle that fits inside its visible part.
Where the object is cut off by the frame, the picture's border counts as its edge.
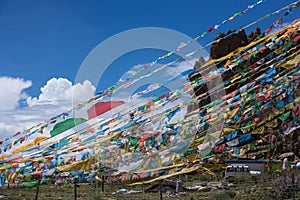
(293, 185)
(75, 189)
(179, 183)
(37, 190)
(102, 184)
(160, 190)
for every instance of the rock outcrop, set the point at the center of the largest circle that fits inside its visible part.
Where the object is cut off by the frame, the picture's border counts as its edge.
(244, 73)
(232, 41)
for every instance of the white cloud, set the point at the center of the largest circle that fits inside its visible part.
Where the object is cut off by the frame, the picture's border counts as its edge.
(62, 91)
(56, 97)
(6, 129)
(11, 91)
(9, 126)
(182, 66)
(160, 77)
(138, 66)
(58, 94)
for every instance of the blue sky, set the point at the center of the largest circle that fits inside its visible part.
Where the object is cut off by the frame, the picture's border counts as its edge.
(41, 40)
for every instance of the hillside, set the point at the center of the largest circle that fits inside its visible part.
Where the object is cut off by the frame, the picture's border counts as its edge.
(245, 104)
(261, 107)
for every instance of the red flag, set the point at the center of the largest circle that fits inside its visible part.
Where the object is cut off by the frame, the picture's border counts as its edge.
(22, 139)
(268, 30)
(210, 29)
(296, 39)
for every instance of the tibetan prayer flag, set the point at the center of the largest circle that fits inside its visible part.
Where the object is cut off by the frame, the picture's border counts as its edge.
(66, 125)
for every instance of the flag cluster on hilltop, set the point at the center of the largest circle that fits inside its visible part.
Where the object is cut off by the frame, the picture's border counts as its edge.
(260, 107)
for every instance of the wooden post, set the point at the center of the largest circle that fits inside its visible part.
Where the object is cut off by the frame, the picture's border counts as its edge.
(102, 184)
(160, 190)
(179, 184)
(75, 189)
(293, 184)
(37, 189)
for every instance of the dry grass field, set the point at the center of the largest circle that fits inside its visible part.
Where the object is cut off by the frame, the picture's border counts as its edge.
(276, 186)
